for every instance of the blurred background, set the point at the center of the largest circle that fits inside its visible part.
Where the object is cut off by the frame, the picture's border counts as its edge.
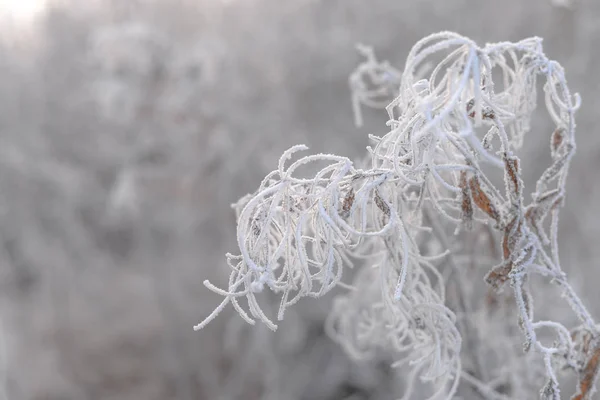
(128, 127)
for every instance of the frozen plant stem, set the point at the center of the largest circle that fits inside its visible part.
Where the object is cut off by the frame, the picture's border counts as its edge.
(404, 211)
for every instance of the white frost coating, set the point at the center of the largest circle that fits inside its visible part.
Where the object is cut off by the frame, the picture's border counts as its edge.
(394, 219)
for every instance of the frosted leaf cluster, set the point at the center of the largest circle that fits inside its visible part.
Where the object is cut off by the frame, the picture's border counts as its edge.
(399, 226)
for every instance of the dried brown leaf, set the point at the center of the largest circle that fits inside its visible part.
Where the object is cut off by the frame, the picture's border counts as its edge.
(588, 376)
(482, 200)
(466, 203)
(347, 203)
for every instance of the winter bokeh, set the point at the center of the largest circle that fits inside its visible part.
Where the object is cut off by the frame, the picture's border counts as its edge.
(128, 128)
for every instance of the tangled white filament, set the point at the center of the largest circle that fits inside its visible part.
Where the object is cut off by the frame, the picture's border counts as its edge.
(296, 235)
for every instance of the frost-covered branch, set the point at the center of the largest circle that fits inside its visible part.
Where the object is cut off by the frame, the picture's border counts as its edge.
(455, 114)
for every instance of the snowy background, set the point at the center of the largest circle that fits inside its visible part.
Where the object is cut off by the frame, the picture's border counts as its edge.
(128, 127)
